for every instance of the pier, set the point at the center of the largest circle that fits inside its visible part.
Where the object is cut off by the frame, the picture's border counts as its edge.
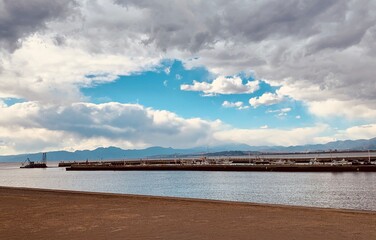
(324, 162)
(227, 167)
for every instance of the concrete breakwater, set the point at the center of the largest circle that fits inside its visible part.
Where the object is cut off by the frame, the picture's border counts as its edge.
(323, 162)
(272, 159)
(227, 167)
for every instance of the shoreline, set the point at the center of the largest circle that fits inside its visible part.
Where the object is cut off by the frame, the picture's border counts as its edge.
(184, 199)
(66, 214)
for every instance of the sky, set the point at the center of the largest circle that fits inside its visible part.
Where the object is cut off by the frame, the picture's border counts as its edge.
(82, 74)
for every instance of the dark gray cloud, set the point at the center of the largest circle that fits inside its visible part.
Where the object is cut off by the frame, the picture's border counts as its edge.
(20, 18)
(195, 25)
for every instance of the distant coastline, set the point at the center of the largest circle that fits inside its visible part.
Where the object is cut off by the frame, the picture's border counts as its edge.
(112, 153)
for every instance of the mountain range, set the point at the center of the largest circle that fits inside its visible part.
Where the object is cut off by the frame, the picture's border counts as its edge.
(118, 153)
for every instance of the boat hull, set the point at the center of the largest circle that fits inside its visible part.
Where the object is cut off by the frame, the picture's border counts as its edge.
(36, 165)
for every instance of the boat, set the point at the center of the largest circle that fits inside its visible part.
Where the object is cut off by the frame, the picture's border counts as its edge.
(32, 164)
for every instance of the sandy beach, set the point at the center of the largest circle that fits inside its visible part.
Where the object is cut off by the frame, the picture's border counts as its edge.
(50, 214)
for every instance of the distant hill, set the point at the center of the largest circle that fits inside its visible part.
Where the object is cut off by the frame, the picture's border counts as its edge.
(98, 154)
(361, 144)
(234, 149)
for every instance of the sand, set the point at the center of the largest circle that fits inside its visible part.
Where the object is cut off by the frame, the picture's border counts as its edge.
(49, 214)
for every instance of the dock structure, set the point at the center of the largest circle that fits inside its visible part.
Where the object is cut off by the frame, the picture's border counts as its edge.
(228, 160)
(277, 162)
(225, 167)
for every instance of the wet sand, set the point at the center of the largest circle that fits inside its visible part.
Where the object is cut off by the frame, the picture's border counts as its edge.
(50, 214)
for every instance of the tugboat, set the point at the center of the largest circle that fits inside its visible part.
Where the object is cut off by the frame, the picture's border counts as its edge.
(32, 164)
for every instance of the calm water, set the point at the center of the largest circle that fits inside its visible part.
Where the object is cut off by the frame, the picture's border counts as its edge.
(335, 190)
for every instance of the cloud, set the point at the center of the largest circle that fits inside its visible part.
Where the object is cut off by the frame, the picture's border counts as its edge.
(315, 51)
(219, 23)
(127, 125)
(222, 85)
(31, 126)
(18, 18)
(2, 104)
(280, 112)
(270, 136)
(266, 99)
(351, 109)
(312, 50)
(358, 132)
(42, 71)
(238, 105)
(65, 46)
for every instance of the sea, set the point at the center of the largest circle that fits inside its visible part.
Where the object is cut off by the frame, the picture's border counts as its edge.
(352, 190)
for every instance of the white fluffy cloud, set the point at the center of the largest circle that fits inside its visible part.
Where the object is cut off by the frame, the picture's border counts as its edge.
(266, 99)
(351, 109)
(269, 136)
(280, 112)
(43, 71)
(238, 105)
(222, 85)
(64, 46)
(128, 125)
(31, 126)
(358, 132)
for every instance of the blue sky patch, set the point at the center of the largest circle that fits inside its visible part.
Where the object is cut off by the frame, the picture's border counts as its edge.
(160, 89)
